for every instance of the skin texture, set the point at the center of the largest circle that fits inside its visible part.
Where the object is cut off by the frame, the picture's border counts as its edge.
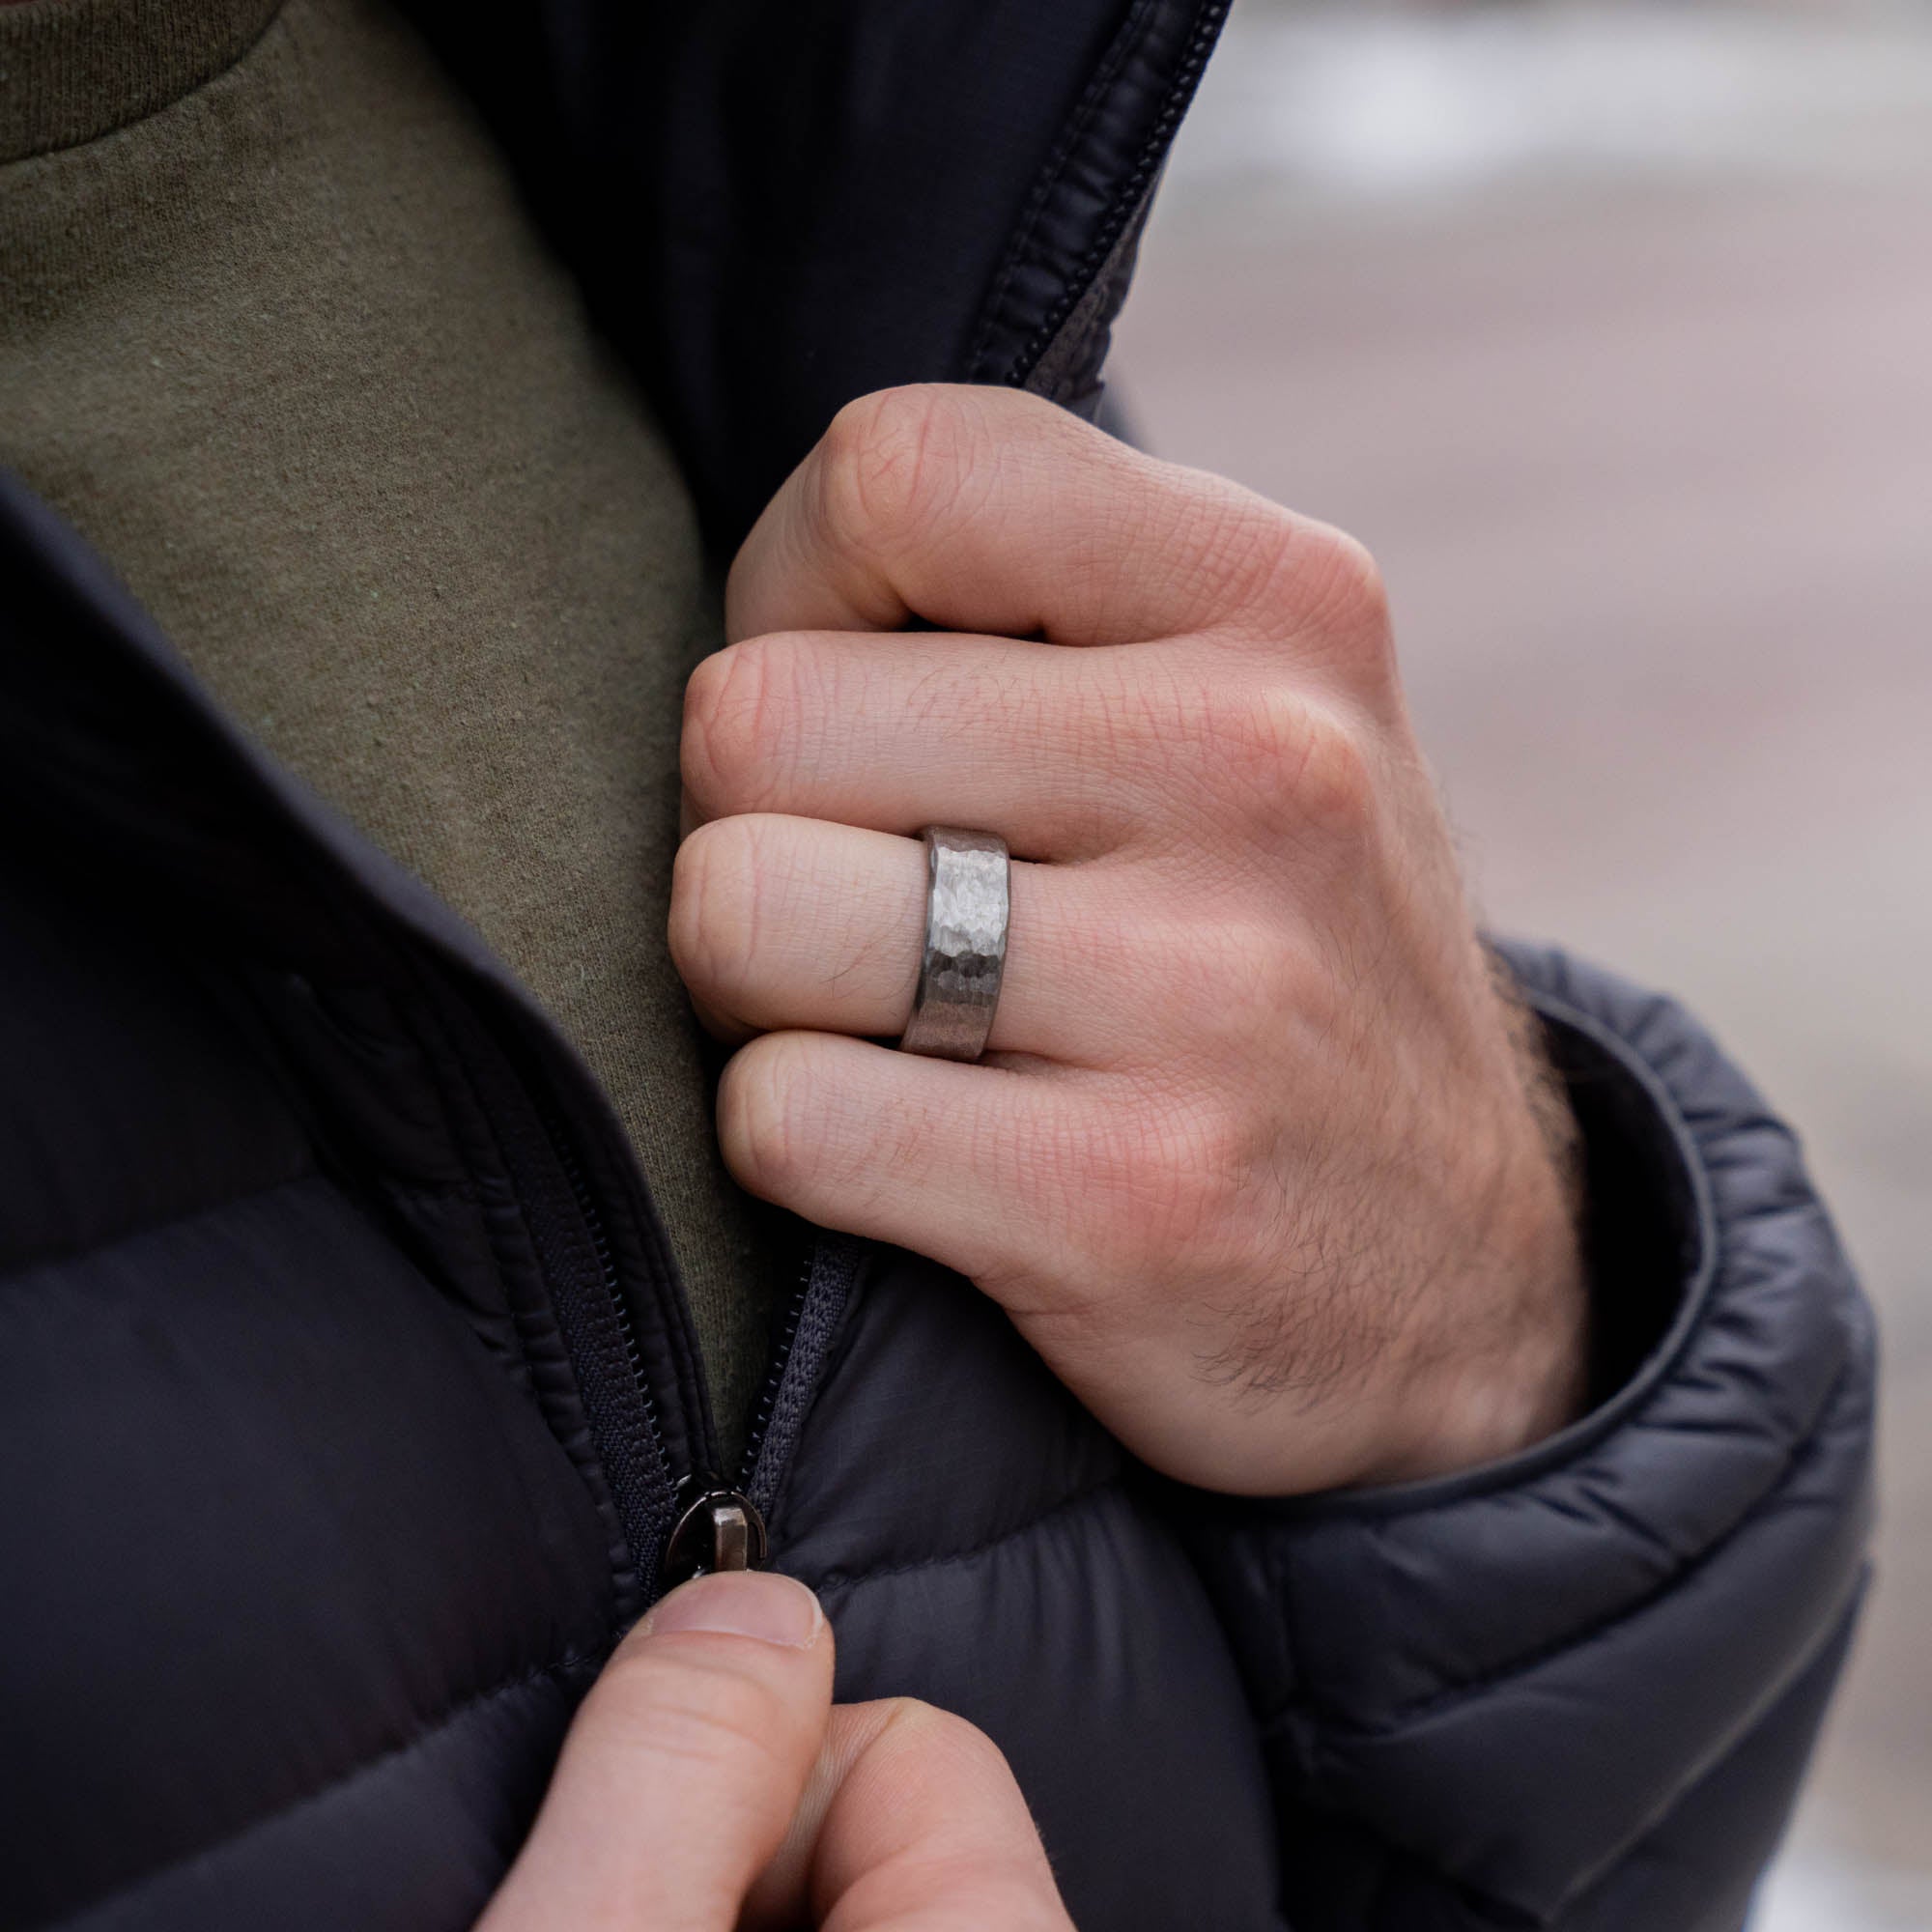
(1262, 1159)
(708, 1783)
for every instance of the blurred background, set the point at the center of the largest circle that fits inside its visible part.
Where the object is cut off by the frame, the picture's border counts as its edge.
(1610, 329)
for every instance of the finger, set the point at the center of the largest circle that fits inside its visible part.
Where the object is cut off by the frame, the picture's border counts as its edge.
(982, 509)
(1053, 750)
(782, 923)
(983, 1168)
(683, 1769)
(912, 1822)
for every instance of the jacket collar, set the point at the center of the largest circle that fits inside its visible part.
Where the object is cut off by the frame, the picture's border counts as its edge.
(775, 208)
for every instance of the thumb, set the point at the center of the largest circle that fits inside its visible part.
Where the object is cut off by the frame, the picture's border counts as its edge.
(911, 1823)
(683, 1767)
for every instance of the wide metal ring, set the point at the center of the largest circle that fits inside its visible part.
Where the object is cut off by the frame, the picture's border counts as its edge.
(965, 953)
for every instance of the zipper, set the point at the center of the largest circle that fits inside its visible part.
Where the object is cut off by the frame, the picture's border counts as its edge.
(775, 1374)
(627, 1433)
(723, 1526)
(697, 1522)
(719, 1526)
(621, 1319)
(720, 1529)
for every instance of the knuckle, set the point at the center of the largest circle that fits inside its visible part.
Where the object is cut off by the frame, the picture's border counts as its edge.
(1260, 728)
(1343, 603)
(1286, 762)
(1205, 1154)
(890, 464)
(740, 706)
(1333, 791)
(1180, 1180)
(1309, 580)
(1241, 984)
(1344, 583)
(1167, 1175)
(1248, 548)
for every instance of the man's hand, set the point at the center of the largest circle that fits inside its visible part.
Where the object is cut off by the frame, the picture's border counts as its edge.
(1262, 1161)
(708, 1783)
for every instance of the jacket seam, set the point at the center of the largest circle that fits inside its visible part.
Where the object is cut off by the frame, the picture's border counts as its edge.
(1052, 175)
(456, 1079)
(1521, 1666)
(16, 1269)
(1129, 196)
(1841, 1621)
(448, 1066)
(843, 1580)
(571, 1664)
(1512, 1912)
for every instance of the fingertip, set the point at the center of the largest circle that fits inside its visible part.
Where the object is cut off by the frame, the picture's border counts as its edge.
(763, 1131)
(683, 1767)
(762, 1603)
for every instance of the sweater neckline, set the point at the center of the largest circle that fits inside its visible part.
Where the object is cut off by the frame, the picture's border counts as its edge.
(72, 70)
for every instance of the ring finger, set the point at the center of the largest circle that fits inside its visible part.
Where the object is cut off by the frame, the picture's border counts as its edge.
(780, 923)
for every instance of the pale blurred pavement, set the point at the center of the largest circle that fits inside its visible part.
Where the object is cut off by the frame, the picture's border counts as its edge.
(1610, 329)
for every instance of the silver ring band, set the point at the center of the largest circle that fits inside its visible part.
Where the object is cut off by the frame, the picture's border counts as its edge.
(965, 952)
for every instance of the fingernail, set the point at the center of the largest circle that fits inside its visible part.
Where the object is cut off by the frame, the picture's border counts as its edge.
(742, 1603)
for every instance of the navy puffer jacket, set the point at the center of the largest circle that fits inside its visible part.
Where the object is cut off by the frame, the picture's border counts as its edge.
(345, 1390)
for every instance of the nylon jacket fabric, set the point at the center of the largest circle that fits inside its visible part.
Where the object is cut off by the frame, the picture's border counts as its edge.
(347, 1386)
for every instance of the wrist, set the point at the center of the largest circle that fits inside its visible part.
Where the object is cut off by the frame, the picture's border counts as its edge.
(1486, 1404)
(1513, 1366)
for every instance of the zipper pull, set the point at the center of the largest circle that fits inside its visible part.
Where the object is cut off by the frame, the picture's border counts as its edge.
(718, 1528)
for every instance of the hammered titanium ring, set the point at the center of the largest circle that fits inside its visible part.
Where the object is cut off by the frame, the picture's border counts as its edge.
(965, 951)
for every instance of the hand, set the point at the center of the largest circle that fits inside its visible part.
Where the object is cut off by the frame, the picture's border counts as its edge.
(708, 1783)
(1262, 1161)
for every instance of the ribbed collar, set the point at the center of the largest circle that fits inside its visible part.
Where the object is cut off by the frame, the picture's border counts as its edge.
(73, 69)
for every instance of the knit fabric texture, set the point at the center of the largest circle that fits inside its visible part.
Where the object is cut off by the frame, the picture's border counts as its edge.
(278, 338)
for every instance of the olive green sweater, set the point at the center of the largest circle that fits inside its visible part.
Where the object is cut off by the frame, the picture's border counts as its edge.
(276, 335)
